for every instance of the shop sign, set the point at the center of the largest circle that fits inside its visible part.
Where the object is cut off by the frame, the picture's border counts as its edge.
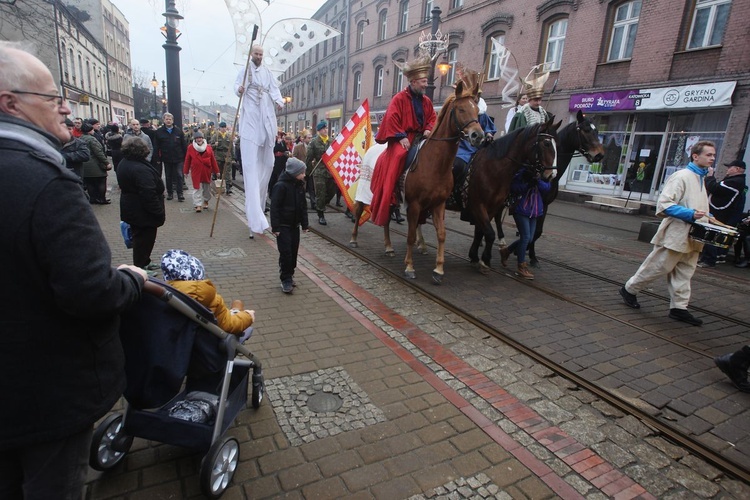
(302, 116)
(705, 95)
(333, 113)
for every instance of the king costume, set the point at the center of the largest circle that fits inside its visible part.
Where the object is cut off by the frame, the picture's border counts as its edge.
(408, 115)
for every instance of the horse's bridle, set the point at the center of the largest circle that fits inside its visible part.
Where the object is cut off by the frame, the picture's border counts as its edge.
(581, 150)
(537, 166)
(461, 134)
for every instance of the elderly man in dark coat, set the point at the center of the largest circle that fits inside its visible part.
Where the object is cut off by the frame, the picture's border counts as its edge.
(61, 361)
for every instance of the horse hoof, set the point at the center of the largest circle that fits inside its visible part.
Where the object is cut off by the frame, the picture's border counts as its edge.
(412, 275)
(534, 263)
(353, 244)
(390, 253)
(484, 268)
(437, 278)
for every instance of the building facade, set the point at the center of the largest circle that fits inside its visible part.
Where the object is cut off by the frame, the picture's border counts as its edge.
(314, 86)
(677, 67)
(73, 55)
(110, 28)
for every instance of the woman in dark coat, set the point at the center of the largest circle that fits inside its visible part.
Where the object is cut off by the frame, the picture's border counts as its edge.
(142, 199)
(114, 143)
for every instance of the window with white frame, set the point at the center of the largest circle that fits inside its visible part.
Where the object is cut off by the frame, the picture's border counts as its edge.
(555, 43)
(624, 30)
(428, 5)
(709, 21)
(450, 77)
(383, 25)
(360, 35)
(493, 69)
(403, 16)
(457, 4)
(378, 87)
(398, 80)
(357, 85)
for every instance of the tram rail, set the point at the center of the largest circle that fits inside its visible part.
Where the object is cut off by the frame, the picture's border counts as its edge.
(729, 466)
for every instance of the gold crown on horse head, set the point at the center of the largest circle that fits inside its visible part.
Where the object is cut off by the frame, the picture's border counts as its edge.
(533, 84)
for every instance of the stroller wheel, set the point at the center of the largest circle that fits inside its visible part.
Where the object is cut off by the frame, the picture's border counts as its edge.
(109, 443)
(218, 466)
(258, 389)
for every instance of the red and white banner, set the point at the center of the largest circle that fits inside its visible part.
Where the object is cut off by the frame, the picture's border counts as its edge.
(344, 155)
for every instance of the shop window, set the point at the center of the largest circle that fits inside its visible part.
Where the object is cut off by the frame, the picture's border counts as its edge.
(403, 16)
(709, 22)
(493, 69)
(624, 30)
(555, 43)
(383, 25)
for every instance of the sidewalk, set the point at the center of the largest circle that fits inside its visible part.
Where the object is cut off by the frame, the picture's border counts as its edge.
(416, 417)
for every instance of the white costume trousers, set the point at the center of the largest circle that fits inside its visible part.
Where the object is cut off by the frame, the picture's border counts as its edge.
(257, 166)
(678, 267)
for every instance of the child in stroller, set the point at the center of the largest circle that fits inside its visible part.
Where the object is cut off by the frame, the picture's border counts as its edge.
(187, 274)
(174, 350)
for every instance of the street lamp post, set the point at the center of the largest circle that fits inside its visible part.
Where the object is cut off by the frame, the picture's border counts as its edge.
(287, 100)
(154, 84)
(430, 91)
(163, 98)
(172, 53)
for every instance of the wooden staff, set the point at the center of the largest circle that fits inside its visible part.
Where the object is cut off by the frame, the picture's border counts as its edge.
(228, 161)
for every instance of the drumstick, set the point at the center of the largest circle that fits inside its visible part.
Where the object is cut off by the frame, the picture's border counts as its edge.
(716, 222)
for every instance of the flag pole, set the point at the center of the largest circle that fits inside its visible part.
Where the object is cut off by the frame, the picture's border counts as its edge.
(228, 161)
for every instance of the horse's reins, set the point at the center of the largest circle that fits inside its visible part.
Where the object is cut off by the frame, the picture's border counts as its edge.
(537, 165)
(461, 134)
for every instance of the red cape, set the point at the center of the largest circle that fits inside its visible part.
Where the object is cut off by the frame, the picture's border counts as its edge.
(399, 119)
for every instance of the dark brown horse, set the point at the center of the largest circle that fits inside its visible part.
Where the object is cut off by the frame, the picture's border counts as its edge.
(577, 138)
(492, 170)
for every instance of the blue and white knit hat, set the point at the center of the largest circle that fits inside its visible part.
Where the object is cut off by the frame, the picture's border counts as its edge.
(178, 265)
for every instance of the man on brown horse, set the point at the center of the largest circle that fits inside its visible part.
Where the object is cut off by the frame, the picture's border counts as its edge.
(409, 115)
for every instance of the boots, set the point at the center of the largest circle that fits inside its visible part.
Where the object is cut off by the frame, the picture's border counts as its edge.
(504, 255)
(396, 215)
(523, 271)
(322, 219)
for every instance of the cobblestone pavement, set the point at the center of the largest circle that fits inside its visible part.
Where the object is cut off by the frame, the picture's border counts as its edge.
(429, 407)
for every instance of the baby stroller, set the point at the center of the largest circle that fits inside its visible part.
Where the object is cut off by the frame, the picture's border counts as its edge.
(174, 350)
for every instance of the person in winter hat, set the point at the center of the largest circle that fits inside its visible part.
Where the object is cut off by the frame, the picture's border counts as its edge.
(200, 162)
(187, 274)
(288, 213)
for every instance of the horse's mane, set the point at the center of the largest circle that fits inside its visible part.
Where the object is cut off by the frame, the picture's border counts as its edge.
(499, 148)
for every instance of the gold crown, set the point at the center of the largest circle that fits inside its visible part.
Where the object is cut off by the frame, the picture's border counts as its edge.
(416, 69)
(533, 84)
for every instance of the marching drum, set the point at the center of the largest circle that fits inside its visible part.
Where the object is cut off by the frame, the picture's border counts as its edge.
(711, 234)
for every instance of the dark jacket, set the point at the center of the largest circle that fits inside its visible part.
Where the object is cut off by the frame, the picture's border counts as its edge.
(142, 193)
(288, 205)
(76, 152)
(170, 147)
(727, 198)
(98, 164)
(61, 361)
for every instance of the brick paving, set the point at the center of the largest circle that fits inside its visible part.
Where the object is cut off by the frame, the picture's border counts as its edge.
(452, 414)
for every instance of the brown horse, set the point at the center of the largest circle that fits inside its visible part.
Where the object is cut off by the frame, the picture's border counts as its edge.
(492, 170)
(430, 180)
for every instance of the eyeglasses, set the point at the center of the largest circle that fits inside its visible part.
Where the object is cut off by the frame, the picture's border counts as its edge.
(60, 99)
